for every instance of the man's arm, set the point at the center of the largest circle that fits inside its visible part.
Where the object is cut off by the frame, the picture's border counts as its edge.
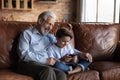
(25, 53)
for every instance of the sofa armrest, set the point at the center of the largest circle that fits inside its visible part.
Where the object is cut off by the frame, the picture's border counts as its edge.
(116, 54)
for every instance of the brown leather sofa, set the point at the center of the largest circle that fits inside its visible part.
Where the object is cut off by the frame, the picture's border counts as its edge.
(101, 40)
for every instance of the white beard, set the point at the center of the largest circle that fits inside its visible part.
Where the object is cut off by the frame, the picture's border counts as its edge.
(43, 31)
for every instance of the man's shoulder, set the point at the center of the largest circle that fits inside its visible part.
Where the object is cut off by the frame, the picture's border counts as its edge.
(50, 35)
(28, 30)
(51, 38)
(52, 45)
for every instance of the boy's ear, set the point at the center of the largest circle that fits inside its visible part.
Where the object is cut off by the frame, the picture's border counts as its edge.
(57, 39)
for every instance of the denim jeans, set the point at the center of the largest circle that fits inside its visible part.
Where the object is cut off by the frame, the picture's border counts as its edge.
(67, 66)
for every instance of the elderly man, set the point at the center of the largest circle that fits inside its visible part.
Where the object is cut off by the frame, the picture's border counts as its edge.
(33, 43)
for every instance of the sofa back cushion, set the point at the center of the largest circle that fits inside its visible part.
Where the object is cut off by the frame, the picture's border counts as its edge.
(99, 39)
(9, 37)
(9, 34)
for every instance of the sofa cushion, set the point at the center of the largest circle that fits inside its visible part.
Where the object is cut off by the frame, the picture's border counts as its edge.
(104, 65)
(117, 53)
(87, 75)
(108, 70)
(10, 75)
(9, 37)
(9, 32)
(99, 39)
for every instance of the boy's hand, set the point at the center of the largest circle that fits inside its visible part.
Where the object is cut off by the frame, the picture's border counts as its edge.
(75, 59)
(89, 57)
(86, 56)
(66, 58)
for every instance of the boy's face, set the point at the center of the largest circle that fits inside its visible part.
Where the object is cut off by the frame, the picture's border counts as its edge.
(63, 41)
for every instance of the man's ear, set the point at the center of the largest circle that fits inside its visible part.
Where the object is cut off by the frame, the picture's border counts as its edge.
(40, 21)
(70, 26)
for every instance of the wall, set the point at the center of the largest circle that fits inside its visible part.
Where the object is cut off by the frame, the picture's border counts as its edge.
(65, 10)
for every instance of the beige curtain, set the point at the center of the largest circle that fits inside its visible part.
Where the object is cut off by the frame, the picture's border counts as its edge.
(80, 10)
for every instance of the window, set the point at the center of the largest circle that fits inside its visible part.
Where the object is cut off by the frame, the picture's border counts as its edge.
(100, 11)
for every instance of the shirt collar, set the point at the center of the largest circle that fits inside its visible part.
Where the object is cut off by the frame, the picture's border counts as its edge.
(35, 31)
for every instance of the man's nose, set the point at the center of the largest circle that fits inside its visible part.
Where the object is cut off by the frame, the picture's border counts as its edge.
(50, 27)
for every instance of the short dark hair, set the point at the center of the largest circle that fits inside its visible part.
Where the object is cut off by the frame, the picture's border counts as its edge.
(62, 32)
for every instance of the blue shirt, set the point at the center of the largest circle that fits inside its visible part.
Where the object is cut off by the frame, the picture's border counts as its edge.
(33, 45)
(57, 52)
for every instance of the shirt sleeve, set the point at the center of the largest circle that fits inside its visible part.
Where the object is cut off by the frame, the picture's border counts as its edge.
(25, 53)
(52, 38)
(76, 51)
(50, 52)
(73, 50)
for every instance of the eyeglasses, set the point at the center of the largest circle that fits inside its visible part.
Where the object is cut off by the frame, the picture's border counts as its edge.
(48, 23)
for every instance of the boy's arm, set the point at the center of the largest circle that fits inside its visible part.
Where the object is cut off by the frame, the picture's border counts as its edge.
(86, 56)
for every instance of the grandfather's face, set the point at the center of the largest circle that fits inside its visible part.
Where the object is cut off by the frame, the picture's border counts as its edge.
(45, 26)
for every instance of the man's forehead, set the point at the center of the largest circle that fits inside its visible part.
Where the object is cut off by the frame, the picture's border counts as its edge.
(49, 18)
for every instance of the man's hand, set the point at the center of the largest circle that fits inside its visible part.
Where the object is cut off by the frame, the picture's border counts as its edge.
(86, 56)
(50, 61)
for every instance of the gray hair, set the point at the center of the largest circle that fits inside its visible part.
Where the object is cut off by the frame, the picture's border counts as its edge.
(45, 14)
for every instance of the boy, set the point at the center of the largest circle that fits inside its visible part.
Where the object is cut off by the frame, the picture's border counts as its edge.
(67, 58)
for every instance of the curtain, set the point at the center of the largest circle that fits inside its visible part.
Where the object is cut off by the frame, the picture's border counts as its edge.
(81, 8)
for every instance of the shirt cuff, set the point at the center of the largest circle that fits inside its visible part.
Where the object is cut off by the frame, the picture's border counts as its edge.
(83, 68)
